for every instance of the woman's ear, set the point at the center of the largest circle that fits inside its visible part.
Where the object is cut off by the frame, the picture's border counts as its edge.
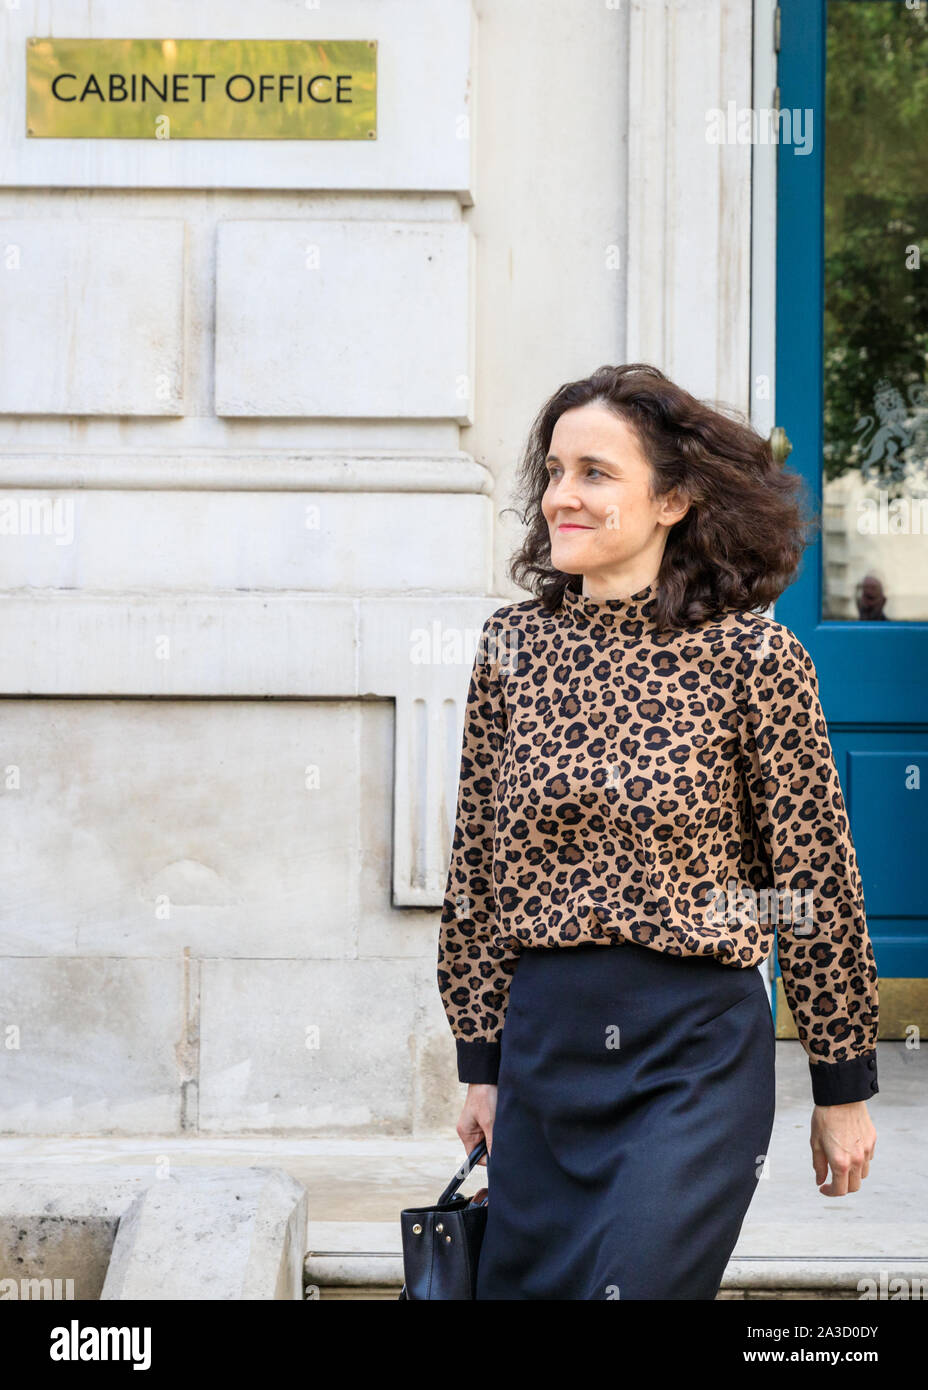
(674, 506)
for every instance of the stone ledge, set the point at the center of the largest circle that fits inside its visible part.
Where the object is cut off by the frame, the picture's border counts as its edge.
(252, 470)
(371, 1292)
(362, 1255)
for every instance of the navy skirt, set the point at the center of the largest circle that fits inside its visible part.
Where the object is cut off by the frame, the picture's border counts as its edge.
(635, 1105)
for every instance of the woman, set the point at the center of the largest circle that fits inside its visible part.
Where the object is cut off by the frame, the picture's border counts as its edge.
(647, 795)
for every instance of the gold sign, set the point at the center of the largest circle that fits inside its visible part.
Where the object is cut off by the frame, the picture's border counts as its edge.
(202, 89)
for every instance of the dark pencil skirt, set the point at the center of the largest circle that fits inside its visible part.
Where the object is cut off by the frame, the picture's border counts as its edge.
(635, 1105)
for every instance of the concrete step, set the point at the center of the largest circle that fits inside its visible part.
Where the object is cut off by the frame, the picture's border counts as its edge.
(364, 1259)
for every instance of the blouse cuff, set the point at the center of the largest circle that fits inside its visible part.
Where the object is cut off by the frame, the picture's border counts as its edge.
(841, 1083)
(478, 1061)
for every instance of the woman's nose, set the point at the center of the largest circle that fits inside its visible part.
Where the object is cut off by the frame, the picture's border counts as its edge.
(563, 494)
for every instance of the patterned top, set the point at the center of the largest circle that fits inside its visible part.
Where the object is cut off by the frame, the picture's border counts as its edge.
(674, 788)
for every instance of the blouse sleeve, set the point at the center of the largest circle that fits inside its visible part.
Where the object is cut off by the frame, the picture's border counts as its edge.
(825, 953)
(474, 973)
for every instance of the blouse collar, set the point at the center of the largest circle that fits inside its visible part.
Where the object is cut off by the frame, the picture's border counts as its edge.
(630, 616)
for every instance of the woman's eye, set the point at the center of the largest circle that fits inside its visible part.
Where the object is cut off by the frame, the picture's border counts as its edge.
(552, 472)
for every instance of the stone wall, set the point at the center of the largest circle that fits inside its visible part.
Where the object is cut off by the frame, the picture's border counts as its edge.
(261, 407)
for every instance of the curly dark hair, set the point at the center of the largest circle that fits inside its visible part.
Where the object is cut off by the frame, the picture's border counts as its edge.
(741, 540)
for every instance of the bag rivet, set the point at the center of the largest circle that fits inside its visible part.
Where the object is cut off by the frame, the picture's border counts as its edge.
(448, 1239)
(439, 1228)
(417, 1230)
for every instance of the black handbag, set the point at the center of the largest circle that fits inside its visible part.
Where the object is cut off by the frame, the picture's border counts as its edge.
(441, 1244)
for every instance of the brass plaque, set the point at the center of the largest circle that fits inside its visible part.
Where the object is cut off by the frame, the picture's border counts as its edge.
(201, 89)
(903, 1006)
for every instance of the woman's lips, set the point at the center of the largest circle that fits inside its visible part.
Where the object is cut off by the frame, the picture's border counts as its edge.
(573, 526)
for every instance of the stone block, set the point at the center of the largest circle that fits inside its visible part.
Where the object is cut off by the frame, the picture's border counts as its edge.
(336, 319)
(93, 316)
(212, 1234)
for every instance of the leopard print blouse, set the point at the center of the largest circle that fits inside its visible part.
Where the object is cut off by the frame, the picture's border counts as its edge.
(675, 788)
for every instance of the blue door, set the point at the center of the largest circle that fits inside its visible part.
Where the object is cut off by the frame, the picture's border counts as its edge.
(852, 396)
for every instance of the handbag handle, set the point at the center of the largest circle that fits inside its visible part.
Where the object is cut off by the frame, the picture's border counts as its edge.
(472, 1158)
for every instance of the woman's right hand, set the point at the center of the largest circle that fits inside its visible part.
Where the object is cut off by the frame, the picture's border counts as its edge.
(476, 1121)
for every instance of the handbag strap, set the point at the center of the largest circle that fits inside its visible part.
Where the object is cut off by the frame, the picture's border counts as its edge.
(473, 1157)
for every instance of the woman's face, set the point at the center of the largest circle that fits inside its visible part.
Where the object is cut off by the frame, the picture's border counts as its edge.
(603, 522)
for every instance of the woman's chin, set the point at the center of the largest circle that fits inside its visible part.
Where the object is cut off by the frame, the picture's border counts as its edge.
(570, 556)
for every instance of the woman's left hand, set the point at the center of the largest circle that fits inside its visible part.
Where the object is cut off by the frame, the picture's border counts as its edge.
(843, 1136)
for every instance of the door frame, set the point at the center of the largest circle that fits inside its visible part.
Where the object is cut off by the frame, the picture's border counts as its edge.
(790, 207)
